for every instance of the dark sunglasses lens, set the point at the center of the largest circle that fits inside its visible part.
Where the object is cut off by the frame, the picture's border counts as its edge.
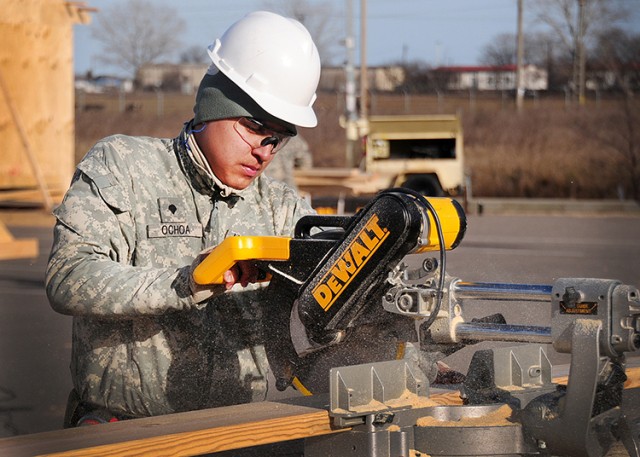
(270, 140)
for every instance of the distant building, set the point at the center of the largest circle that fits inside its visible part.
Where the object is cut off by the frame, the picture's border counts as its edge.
(379, 79)
(186, 77)
(183, 77)
(484, 78)
(103, 84)
(604, 78)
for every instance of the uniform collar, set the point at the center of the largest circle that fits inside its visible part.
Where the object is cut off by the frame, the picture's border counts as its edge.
(205, 178)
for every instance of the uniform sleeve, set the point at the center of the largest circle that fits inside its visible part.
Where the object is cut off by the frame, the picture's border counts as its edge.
(91, 270)
(287, 207)
(303, 158)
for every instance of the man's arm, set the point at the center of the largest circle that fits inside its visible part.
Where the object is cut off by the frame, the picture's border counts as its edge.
(90, 270)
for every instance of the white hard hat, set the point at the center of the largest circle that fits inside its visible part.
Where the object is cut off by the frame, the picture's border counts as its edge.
(274, 60)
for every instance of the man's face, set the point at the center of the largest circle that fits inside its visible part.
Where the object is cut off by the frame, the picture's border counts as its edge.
(235, 156)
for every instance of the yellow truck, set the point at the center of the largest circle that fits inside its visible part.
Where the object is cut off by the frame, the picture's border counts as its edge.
(419, 152)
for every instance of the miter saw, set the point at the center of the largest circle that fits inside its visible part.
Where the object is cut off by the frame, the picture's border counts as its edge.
(352, 318)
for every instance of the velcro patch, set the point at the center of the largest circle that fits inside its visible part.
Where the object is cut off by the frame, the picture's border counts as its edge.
(174, 229)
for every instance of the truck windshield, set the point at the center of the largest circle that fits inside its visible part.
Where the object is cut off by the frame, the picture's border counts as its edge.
(423, 149)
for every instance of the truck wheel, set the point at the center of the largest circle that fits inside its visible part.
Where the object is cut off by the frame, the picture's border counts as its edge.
(425, 185)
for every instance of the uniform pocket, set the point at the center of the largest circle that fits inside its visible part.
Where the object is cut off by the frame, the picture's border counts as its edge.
(106, 184)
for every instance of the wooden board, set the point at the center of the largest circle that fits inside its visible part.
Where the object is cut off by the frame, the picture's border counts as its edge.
(198, 432)
(29, 197)
(183, 434)
(11, 248)
(37, 93)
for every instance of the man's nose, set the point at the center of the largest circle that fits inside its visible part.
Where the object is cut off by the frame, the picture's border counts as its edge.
(264, 152)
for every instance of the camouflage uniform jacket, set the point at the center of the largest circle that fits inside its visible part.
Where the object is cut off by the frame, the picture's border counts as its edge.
(137, 213)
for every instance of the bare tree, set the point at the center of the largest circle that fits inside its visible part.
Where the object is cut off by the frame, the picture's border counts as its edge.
(194, 54)
(320, 19)
(629, 146)
(419, 77)
(618, 136)
(500, 51)
(539, 50)
(575, 23)
(617, 54)
(137, 32)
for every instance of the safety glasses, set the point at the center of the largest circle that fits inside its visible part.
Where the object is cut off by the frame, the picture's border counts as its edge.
(257, 135)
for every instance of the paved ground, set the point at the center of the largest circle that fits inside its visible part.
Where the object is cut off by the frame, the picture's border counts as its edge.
(35, 341)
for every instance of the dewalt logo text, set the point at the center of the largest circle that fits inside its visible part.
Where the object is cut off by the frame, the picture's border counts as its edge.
(356, 256)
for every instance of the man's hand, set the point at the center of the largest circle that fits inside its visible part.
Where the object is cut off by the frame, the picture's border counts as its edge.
(243, 272)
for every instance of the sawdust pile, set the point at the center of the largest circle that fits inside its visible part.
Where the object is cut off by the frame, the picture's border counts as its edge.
(414, 453)
(407, 399)
(410, 399)
(499, 417)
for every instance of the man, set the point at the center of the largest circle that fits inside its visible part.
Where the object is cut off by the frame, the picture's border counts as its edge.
(139, 211)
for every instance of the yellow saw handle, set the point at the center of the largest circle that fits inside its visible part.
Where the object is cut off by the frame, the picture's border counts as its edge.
(231, 250)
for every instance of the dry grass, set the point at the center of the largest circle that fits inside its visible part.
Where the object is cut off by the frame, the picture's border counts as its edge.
(534, 154)
(548, 150)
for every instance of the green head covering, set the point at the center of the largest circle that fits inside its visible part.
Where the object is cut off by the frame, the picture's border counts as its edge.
(220, 98)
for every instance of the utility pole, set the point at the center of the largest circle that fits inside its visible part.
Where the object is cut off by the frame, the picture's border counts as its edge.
(582, 58)
(364, 81)
(519, 64)
(350, 90)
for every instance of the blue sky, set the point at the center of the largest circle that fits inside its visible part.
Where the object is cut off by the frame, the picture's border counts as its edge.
(439, 32)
